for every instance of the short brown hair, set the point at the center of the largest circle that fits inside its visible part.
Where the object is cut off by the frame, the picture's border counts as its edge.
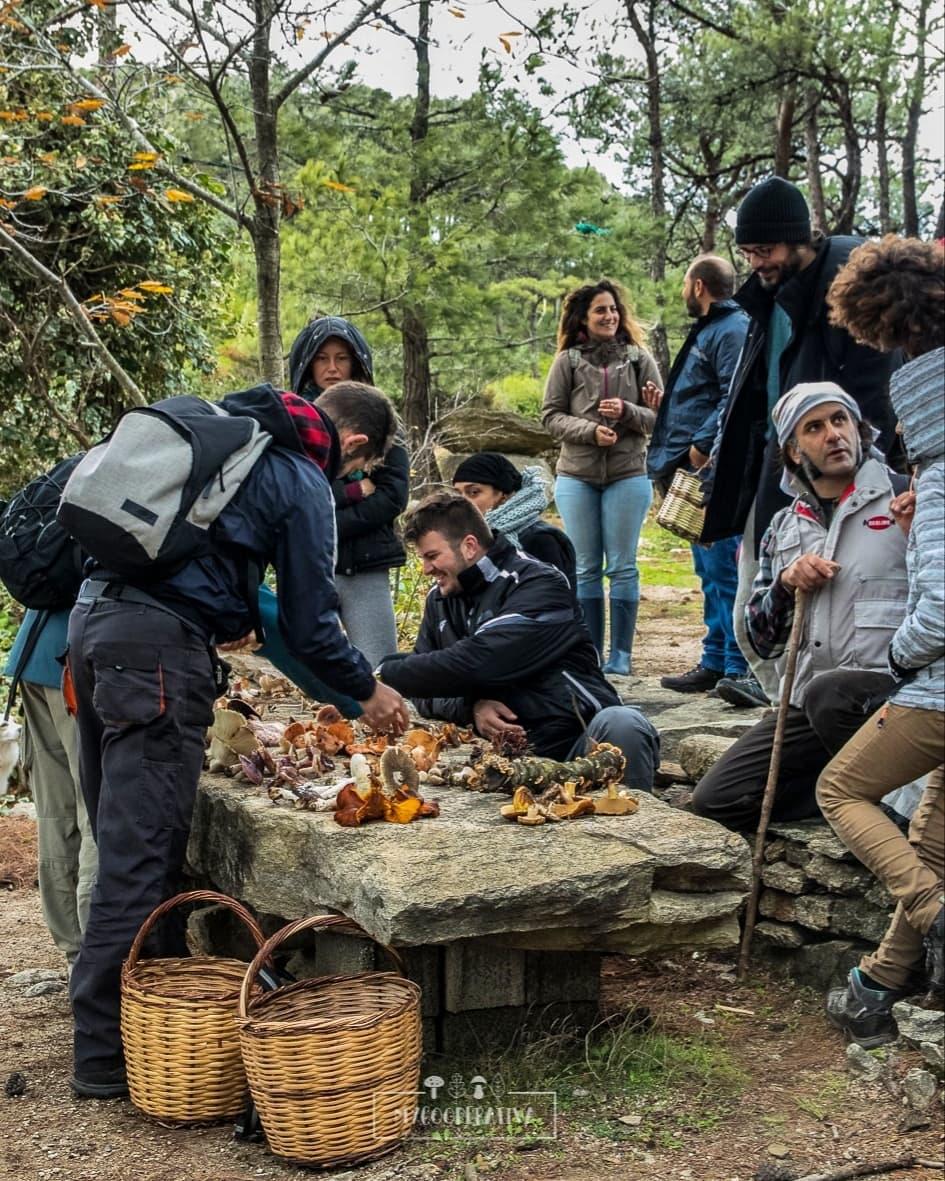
(891, 295)
(364, 410)
(717, 275)
(450, 514)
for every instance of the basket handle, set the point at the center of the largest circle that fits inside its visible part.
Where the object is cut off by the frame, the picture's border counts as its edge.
(340, 922)
(193, 896)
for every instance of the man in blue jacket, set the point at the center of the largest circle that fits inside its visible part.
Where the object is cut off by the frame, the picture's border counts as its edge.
(682, 437)
(143, 668)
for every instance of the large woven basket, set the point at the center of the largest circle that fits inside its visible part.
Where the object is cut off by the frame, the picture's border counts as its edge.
(334, 1062)
(682, 511)
(178, 1026)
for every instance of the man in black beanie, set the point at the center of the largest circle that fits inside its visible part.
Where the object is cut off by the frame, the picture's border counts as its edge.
(790, 341)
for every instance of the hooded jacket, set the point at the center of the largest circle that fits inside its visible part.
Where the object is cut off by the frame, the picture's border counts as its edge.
(918, 647)
(512, 633)
(282, 517)
(367, 538)
(577, 381)
(744, 468)
(698, 382)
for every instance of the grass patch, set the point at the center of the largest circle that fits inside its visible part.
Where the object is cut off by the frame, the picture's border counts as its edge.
(825, 1100)
(622, 1082)
(664, 559)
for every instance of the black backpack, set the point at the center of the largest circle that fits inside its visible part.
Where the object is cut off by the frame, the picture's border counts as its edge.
(40, 562)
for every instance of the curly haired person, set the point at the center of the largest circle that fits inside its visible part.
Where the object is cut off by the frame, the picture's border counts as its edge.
(891, 294)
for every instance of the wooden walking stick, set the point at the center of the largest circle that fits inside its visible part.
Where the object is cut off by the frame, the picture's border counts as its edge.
(774, 768)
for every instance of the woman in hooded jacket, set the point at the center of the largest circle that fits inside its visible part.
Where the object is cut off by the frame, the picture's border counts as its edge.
(600, 403)
(367, 504)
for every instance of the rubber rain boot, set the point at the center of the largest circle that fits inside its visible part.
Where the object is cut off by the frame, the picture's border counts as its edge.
(623, 623)
(594, 620)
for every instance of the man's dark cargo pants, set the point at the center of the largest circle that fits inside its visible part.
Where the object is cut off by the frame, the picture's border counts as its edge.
(144, 690)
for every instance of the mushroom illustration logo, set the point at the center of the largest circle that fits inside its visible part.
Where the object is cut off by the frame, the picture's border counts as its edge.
(478, 1084)
(433, 1084)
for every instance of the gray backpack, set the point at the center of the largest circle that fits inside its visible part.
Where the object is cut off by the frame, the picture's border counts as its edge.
(142, 502)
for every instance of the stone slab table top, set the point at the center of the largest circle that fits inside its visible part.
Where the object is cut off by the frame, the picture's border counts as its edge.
(586, 883)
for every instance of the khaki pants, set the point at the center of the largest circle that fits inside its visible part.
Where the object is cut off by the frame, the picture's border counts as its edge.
(67, 855)
(895, 746)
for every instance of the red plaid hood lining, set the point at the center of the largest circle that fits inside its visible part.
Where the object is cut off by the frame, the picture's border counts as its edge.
(314, 435)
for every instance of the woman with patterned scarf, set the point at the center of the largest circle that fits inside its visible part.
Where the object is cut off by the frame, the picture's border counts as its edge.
(512, 502)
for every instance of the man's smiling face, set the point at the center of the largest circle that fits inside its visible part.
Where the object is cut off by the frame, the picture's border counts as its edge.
(444, 562)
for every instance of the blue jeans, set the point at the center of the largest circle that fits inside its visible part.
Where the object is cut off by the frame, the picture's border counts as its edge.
(717, 568)
(604, 524)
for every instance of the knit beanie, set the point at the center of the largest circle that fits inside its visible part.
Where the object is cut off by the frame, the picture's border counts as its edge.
(489, 467)
(773, 211)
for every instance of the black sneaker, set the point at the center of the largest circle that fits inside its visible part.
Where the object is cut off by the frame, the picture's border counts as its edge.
(864, 1014)
(742, 691)
(697, 680)
(101, 1084)
(935, 953)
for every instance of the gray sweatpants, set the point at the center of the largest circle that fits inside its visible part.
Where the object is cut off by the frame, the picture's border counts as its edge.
(68, 860)
(368, 613)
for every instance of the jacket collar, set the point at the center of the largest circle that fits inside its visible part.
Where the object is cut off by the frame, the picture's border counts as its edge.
(871, 479)
(475, 578)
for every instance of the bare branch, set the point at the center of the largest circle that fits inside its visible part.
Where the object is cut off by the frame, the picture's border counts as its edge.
(78, 313)
(293, 83)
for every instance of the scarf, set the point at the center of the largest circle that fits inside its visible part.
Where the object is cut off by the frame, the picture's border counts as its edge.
(522, 509)
(314, 436)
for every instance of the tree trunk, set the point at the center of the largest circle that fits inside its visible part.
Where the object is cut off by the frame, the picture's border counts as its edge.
(849, 180)
(939, 232)
(418, 384)
(910, 204)
(646, 36)
(267, 199)
(818, 206)
(784, 139)
(882, 164)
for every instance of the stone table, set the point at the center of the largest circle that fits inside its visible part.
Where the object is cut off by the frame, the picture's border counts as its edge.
(499, 921)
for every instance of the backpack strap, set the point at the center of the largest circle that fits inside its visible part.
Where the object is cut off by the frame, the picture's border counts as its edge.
(29, 646)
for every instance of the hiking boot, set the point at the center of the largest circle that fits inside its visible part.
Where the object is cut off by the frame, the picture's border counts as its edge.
(742, 691)
(697, 680)
(101, 1084)
(864, 1014)
(935, 953)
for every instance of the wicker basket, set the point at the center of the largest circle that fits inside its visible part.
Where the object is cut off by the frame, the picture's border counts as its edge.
(178, 1026)
(682, 511)
(333, 1063)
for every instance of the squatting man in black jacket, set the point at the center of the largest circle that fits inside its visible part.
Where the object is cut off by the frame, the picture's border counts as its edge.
(502, 645)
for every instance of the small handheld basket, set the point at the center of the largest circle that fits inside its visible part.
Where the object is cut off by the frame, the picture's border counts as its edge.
(682, 511)
(333, 1063)
(178, 1026)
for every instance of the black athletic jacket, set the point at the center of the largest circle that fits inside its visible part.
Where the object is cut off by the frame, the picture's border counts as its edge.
(513, 634)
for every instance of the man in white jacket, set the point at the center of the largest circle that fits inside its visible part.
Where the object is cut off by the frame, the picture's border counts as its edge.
(838, 543)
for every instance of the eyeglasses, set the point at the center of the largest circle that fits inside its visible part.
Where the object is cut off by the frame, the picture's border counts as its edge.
(762, 253)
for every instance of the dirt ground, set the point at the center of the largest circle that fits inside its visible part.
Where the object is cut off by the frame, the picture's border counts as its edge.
(791, 1099)
(794, 1100)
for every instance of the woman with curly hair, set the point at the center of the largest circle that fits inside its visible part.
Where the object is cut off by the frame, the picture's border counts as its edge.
(600, 403)
(891, 294)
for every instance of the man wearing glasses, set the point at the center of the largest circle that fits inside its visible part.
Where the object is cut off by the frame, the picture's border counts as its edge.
(790, 340)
